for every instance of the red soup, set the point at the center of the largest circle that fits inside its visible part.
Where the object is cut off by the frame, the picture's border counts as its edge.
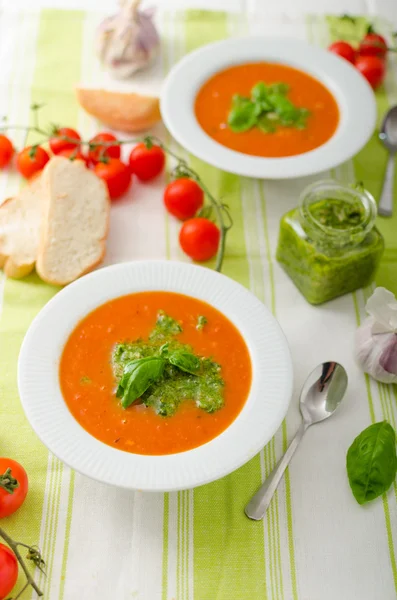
(214, 101)
(194, 359)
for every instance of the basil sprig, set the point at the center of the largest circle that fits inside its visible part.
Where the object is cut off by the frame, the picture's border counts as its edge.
(138, 376)
(372, 462)
(267, 108)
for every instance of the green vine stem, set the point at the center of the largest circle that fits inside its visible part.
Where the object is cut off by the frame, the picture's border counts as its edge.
(33, 555)
(181, 169)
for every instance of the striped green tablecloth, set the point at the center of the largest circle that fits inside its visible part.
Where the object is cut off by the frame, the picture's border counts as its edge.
(315, 543)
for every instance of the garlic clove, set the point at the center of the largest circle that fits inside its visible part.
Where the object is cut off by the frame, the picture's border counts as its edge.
(127, 41)
(376, 338)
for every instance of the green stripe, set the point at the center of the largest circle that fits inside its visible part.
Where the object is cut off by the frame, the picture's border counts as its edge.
(187, 524)
(183, 546)
(54, 525)
(288, 500)
(67, 535)
(46, 538)
(164, 595)
(178, 549)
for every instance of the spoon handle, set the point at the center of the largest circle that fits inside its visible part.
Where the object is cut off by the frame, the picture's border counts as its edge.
(385, 207)
(259, 503)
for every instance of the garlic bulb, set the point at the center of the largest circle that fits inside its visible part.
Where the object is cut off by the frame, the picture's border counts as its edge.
(128, 41)
(376, 339)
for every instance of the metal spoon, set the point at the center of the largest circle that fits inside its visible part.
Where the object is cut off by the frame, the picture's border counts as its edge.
(320, 397)
(388, 137)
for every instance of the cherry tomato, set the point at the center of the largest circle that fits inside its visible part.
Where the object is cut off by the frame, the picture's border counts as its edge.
(116, 175)
(10, 502)
(57, 144)
(373, 68)
(30, 162)
(344, 50)
(8, 570)
(146, 163)
(199, 238)
(74, 154)
(6, 150)
(373, 44)
(95, 154)
(183, 198)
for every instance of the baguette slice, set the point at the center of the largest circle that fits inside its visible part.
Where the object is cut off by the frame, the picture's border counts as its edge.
(20, 230)
(128, 112)
(75, 221)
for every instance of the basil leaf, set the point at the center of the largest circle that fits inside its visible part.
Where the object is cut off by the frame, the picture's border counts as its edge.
(137, 377)
(128, 369)
(279, 88)
(284, 108)
(185, 361)
(267, 125)
(371, 462)
(259, 92)
(239, 100)
(301, 121)
(242, 117)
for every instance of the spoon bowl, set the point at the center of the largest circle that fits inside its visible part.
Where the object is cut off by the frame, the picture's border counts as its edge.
(322, 392)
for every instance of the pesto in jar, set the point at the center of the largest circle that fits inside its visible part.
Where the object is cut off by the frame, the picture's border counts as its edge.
(331, 247)
(337, 213)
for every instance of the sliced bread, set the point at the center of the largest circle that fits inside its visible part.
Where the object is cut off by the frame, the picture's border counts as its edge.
(75, 221)
(20, 230)
(127, 112)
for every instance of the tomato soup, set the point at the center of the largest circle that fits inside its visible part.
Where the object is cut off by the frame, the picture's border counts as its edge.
(89, 385)
(214, 100)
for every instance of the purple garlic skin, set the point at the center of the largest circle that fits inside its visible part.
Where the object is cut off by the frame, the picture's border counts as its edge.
(388, 358)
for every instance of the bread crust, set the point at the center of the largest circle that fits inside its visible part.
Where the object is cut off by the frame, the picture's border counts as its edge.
(121, 111)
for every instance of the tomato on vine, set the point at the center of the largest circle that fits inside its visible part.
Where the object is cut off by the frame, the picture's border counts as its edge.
(6, 151)
(8, 571)
(373, 44)
(31, 160)
(344, 50)
(146, 163)
(13, 486)
(372, 68)
(183, 198)
(58, 145)
(98, 151)
(199, 239)
(116, 175)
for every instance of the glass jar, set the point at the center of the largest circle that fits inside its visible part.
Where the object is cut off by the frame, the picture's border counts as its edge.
(329, 245)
